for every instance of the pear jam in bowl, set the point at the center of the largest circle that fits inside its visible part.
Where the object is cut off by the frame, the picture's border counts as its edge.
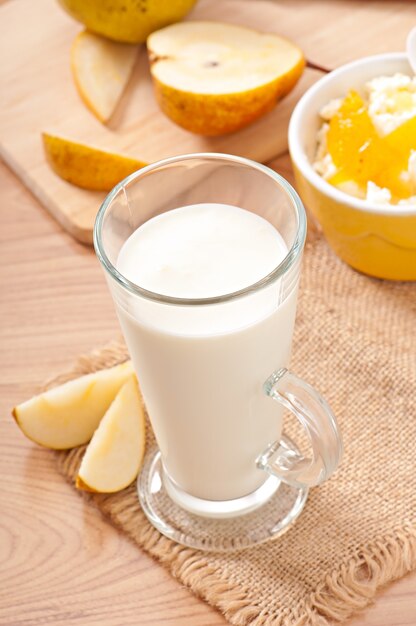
(352, 141)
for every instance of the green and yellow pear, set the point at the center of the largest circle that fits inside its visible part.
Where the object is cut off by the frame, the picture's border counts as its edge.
(129, 21)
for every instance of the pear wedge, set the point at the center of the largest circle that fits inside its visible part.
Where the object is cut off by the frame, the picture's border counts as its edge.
(85, 166)
(213, 78)
(115, 453)
(101, 69)
(67, 416)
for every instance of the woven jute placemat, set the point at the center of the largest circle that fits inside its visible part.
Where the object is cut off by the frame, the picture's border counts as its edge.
(355, 340)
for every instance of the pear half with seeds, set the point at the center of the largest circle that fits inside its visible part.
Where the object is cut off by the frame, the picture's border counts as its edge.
(67, 416)
(115, 453)
(213, 78)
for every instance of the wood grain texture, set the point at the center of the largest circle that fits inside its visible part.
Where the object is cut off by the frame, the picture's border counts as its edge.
(61, 563)
(38, 92)
(45, 99)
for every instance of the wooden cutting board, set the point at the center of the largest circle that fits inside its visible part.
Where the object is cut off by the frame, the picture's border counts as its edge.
(37, 91)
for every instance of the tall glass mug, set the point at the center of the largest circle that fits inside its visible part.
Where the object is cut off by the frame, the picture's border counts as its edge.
(213, 370)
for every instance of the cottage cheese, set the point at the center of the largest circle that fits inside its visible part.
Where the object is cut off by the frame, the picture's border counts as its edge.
(391, 102)
(377, 195)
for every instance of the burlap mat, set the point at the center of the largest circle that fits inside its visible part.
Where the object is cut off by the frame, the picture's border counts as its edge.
(355, 340)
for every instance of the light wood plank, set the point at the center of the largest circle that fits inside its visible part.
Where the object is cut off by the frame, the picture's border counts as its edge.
(45, 99)
(35, 40)
(60, 561)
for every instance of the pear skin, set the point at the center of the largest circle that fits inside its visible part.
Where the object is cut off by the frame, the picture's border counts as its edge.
(101, 70)
(85, 166)
(213, 78)
(128, 21)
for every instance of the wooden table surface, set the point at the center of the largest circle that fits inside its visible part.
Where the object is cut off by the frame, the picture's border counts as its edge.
(61, 563)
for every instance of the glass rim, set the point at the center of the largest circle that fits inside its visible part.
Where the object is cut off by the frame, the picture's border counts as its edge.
(287, 262)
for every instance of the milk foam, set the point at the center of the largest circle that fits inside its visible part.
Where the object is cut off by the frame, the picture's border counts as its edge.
(200, 251)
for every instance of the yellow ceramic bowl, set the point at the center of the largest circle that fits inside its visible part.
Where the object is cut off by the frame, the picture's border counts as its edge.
(375, 239)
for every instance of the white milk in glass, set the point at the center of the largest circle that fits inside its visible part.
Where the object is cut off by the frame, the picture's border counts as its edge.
(202, 368)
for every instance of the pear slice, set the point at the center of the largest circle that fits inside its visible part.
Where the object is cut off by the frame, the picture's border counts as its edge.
(67, 416)
(85, 166)
(101, 71)
(213, 78)
(115, 453)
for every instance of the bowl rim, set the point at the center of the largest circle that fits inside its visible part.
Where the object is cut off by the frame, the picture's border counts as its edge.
(301, 160)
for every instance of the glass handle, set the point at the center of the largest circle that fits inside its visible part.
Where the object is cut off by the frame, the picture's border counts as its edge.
(316, 417)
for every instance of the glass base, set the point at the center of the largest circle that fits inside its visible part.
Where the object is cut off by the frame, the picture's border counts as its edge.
(219, 526)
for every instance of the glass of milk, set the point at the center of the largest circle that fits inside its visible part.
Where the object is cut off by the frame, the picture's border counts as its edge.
(202, 255)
